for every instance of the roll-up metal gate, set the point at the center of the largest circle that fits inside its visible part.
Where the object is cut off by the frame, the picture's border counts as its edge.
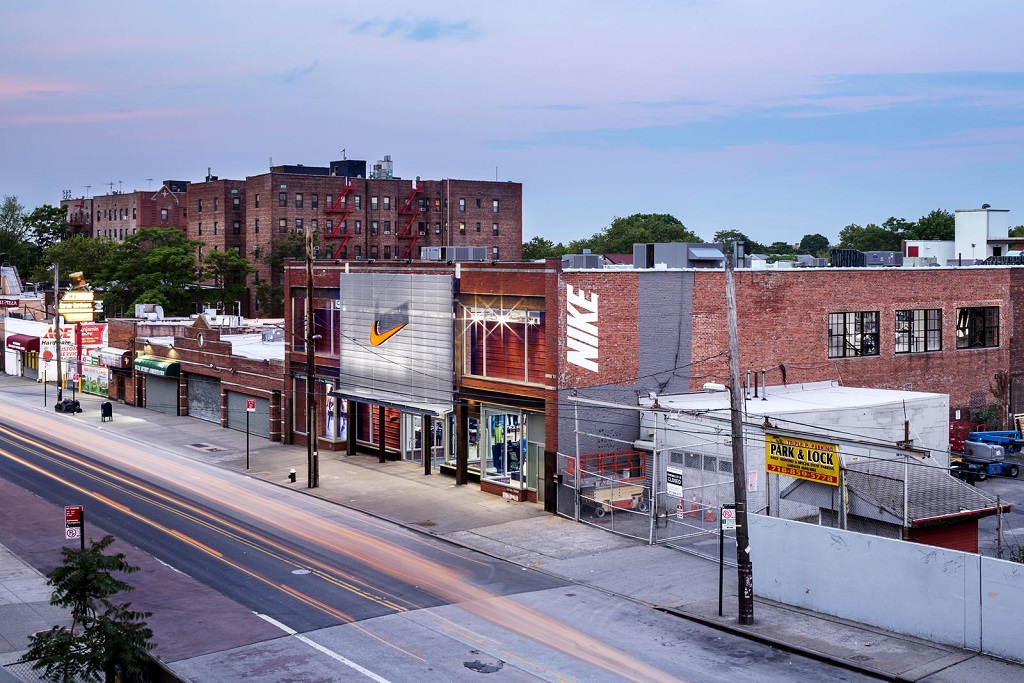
(259, 419)
(162, 394)
(204, 398)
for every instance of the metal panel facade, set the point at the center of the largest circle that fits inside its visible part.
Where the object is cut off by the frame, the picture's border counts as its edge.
(397, 336)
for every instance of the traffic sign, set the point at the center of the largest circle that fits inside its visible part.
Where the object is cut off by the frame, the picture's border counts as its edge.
(72, 532)
(728, 518)
(72, 514)
(250, 405)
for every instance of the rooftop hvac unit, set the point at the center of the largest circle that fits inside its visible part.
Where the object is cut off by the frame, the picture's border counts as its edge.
(453, 253)
(587, 261)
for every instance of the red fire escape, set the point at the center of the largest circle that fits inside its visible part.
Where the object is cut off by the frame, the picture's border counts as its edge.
(411, 208)
(77, 217)
(340, 231)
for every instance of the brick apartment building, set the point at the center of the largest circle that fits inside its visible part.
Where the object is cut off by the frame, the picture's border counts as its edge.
(353, 216)
(120, 214)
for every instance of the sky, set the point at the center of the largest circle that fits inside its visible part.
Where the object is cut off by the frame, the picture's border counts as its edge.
(778, 119)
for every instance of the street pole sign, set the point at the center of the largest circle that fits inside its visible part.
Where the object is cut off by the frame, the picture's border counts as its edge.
(74, 523)
(728, 517)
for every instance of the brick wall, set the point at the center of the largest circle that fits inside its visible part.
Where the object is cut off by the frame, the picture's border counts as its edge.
(783, 320)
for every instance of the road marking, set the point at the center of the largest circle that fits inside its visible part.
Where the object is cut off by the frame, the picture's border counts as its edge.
(317, 646)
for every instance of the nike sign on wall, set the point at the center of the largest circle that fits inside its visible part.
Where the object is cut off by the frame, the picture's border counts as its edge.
(377, 337)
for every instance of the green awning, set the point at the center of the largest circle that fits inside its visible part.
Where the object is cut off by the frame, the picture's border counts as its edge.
(154, 365)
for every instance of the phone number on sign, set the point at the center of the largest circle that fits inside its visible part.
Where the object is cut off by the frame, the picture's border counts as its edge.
(804, 474)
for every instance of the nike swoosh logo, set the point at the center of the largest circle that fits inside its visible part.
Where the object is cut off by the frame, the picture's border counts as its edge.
(377, 337)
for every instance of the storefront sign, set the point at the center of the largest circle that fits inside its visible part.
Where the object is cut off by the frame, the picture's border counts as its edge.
(811, 460)
(581, 328)
(77, 306)
(9, 303)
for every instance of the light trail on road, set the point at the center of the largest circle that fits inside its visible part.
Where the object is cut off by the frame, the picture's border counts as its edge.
(218, 488)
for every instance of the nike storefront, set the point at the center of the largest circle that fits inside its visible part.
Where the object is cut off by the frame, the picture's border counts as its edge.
(396, 339)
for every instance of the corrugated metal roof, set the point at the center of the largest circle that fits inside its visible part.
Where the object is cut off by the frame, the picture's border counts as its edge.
(876, 492)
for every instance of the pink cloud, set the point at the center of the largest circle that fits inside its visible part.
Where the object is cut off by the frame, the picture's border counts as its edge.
(71, 118)
(22, 88)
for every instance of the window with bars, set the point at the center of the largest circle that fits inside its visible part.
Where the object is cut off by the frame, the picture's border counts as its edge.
(853, 334)
(977, 327)
(919, 330)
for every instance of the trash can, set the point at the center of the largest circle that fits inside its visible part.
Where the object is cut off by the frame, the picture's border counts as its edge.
(106, 411)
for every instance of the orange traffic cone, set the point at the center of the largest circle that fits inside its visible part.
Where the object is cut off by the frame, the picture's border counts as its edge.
(693, 510)
(709, 516)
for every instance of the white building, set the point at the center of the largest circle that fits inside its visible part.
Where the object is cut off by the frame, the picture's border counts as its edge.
(690, 434)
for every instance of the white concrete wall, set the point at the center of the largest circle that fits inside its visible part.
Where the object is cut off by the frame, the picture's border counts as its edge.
(941, 250)
(945, 596)
(976, 226)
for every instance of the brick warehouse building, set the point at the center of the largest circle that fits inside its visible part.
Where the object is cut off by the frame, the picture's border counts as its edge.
(945, 330)
(353, 216)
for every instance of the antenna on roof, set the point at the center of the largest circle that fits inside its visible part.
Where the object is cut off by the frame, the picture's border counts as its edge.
(87, 188)
(150, 181)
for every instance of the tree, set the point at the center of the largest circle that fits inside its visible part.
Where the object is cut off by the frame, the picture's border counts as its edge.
(153, 266)
(79, 253)
(814, 244)
(729, 238)
(47, 225)
(623, 233)
(105, 641)
(230, 272)
(779, 248)
(937, 225)
(868, 238)
(1017, 231)
(15, 246)
(540, 247)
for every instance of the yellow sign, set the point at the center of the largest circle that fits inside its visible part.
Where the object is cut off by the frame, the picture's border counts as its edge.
(77, 306)
(811, 460)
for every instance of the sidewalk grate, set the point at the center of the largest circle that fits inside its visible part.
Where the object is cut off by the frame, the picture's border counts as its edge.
(205, 447)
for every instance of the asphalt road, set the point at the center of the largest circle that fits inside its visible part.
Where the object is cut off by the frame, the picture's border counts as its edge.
(262, 584)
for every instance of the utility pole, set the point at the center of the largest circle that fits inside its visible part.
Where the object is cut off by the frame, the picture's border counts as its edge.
(744, 570)
(312, 457)
(56, 329)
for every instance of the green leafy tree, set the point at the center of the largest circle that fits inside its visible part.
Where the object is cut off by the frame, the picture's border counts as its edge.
(15, 243)
(868, 238)
(230, 272)
(814, 244)
(153, 266)
(937, 225)
(106, 641)
(47, 225)
(1017, 231)
(729, 238)
(623, 233)
(540, 247)
(779, 248)
(78, 253)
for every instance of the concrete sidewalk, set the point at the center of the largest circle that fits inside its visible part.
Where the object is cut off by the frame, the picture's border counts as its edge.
(522, 533)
